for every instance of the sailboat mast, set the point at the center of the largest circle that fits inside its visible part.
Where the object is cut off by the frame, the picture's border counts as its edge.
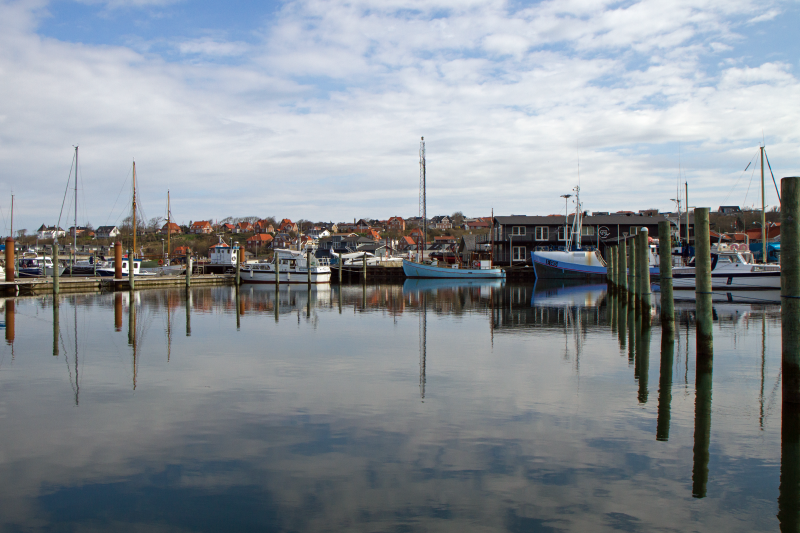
(763, 214)
(75, 219)
(133, 251)
(169, 229)
(422, 197)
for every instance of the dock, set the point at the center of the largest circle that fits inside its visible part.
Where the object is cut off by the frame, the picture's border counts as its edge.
(32, 286)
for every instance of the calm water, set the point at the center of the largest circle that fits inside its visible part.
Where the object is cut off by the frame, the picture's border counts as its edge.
(416, 407)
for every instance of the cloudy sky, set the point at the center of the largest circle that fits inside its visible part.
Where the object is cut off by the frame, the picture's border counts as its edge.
(312, 109)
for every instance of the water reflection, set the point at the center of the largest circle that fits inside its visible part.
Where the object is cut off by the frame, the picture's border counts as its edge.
(388, 407)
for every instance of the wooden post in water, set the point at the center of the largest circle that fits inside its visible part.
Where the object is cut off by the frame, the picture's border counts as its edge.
(117, 260)
(622, 267)
(188, 271)
(790, 289)
(9, 259)
(340, 270)
(643, 274)
(364, 266)
(665, 382)
(613, 264)
(632, 287)
(702, 246)
(277, 261)
(238, 265)
(55, 269)
(308, 267)
(665, 275)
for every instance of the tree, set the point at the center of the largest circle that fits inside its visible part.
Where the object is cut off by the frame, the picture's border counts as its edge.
(154, 224)
(458, 219)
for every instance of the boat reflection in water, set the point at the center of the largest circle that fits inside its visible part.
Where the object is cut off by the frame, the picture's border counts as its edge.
(426, 405)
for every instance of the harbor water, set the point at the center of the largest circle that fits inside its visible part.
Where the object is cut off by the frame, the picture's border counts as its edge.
(423, 406)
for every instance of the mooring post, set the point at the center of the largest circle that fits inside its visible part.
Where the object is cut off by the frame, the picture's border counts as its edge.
(238, 265)
(665, 383)
(643, 354)
(789, 494)
(622, 267)
(622, 318)
(633, 289)
(340, 269)
(665, 275)
(277, 261)
(308, 267)
(613, 256)
(702, 270)
(188, 271)
(117, 261)
(643, 274)
(364, 266)
(55, 270)
(9, 259)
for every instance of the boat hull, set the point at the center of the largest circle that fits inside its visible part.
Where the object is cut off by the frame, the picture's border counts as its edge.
(750, 280)
(416, 270)
(301, 277)
(564, 265)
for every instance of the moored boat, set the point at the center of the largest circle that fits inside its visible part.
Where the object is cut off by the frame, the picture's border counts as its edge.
(422, 270)
(292, 267)
(732, 267)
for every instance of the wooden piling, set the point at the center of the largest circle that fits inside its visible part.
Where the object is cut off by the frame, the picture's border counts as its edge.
(665, 383)
(364, 266)
(308, 269)
(238, 267)
(622, 267)
(633, 289)
(340, 269)
(55, 270)
(643, 274)
(10, 270)
(277, 273)
(703, 280)
(117, 260)
(790, 289)
(665, 275)
(188, 271)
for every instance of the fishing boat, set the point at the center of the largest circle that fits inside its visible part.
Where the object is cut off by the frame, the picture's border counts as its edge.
(289, 266)
(474, 269)
(574, 262)
(108, 269)
(221, 258)
(732, 268)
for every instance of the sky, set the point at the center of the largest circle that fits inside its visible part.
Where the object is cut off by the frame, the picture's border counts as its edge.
(314, 110)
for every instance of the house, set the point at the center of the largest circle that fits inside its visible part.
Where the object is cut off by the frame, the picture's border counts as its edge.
(445, 240)
(477, 223)
(171, 228)
(107, 232)
(773, 232)
(396, 224)
(259, 241)
(264, 226)
(317, 233)
(729, 209)
(407, 243)
(227, 227)
(343, 242)
(281, 240)
(181, 251)
(243, 227)
(441, 222)
(516, 236)
(50, 232)
(373, 234)
(200, 227)
(287, 226)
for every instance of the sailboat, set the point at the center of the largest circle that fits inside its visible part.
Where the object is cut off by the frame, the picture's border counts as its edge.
(481, 268)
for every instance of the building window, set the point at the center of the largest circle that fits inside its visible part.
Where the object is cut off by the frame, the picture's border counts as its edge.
(519, 253)
(542, 233)
(587, 231)
(518, 230)
(562, 233)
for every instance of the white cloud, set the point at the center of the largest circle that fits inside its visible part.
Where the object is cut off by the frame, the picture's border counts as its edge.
(321, 115)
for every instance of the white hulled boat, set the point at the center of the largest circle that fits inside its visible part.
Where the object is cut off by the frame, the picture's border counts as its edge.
(292, 268)
(732, 267)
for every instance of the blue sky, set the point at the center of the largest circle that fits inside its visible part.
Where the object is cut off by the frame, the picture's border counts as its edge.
(312, 109)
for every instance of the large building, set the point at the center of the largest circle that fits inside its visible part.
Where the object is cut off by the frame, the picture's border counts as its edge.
(515, 237)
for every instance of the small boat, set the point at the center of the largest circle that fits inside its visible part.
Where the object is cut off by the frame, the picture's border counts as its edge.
(32, 265)
(108, 269)
(422, 270)
(732, 268)
(221, 258)
(358, 258)
(293, 268)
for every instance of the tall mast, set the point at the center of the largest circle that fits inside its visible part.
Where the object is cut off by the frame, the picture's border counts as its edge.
(133, 252)
(12, 216)
(763, 214)
(686, 198)
(75, 220)
(422, 197)
(169, 229)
